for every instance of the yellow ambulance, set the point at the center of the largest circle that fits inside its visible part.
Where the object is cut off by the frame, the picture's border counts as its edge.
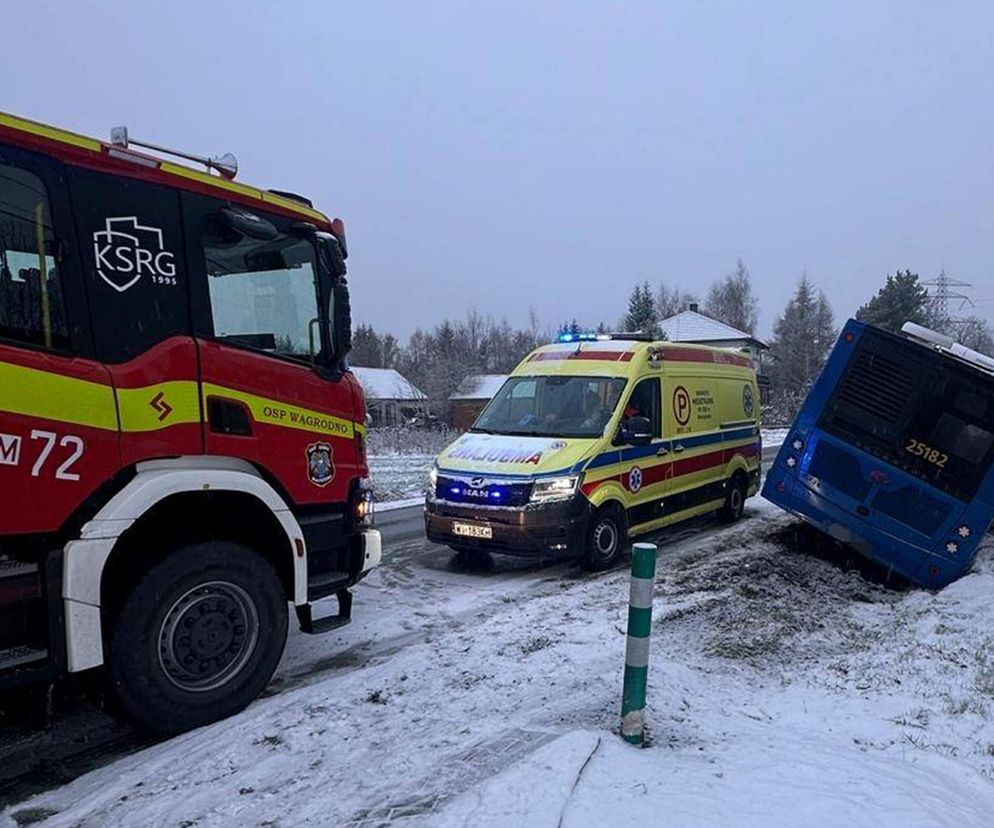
(595, 439)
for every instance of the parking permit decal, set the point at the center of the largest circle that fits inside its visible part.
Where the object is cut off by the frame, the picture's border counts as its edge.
(681, 405)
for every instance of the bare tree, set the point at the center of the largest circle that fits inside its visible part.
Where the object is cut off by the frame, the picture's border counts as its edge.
(732, 300)
(671, 301)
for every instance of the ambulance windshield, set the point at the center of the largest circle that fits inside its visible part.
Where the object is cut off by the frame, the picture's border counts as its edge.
(552, 406)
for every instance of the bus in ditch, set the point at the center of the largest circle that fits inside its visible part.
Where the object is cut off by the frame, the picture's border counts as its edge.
(891, 452)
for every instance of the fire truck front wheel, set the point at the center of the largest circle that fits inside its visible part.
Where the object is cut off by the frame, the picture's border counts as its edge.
(198, 638)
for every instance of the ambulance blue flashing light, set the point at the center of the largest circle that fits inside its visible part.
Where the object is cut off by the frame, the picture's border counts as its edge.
(583, 337)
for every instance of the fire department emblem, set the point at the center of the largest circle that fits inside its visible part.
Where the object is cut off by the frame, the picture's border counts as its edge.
(635, 479)
(320, 465)
(126, 250)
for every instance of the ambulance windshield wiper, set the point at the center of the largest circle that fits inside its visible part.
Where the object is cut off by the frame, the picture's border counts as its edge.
(475, 430)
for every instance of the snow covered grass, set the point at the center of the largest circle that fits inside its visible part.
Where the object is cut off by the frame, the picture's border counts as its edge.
(400, 458)
(787, 687)
(399, 477)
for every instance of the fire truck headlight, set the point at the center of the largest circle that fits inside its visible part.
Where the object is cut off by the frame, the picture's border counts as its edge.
(554, 488)
(363, 508)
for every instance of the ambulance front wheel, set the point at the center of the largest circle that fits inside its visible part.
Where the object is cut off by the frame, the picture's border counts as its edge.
(735, 498)
(605, 539)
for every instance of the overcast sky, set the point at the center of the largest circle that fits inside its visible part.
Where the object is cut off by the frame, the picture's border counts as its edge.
(504, 155)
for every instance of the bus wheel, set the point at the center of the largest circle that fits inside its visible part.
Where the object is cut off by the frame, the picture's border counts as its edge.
(198, 638)
(735, 499)
(605, 539)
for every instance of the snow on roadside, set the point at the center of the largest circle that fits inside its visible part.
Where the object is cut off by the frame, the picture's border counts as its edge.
(785, 689)
(774, 436)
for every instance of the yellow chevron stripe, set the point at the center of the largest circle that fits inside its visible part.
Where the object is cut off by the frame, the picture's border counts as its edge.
(34, 393)
(139, 414)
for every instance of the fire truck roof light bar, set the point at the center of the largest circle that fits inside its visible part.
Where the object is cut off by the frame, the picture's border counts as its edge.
(948, 345)
(226, 165)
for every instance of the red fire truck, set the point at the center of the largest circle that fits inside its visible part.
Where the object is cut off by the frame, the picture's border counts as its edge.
(181, 442)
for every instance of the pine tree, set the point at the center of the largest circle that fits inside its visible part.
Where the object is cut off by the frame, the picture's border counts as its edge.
(802, 337)
(732, 301)
(367, 348)
(641, 314)
(903, 298)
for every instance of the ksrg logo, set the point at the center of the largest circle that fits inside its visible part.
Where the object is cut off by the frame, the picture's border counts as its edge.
(125, 251)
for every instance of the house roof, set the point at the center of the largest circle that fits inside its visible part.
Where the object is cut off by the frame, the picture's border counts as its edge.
(386, 384)
(479, 387)
(691, 326)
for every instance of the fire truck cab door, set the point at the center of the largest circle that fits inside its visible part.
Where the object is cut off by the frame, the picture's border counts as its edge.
(133, 262)
(256, 306)
(58, 418)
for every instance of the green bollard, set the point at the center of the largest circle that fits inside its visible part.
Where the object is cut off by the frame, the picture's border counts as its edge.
(637, 651)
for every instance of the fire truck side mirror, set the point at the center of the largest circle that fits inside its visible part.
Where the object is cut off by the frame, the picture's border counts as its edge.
(334, 255)
(343, 321)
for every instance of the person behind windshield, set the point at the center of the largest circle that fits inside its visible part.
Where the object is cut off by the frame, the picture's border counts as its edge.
(595, 412)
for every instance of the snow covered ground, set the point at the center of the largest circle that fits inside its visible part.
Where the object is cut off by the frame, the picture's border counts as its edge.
(786, 689)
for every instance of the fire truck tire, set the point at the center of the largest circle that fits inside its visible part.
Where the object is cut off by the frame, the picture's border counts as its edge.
(198, 638)
(735, 498)
(605, 539)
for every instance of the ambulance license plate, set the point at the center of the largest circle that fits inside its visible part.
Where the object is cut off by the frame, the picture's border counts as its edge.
(472, 530)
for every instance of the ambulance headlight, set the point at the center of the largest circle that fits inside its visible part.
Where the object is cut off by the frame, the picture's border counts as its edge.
(547, 489)
(432, 479)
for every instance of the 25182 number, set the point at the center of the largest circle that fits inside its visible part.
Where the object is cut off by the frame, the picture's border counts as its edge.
(927, 453)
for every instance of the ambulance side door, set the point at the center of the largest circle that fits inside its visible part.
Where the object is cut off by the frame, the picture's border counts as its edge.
(649, 466)
(58, 422)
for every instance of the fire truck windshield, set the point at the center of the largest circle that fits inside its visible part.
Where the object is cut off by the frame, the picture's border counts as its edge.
(264, 293)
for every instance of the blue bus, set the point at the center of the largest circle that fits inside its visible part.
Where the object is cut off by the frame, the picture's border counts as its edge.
(891, 452)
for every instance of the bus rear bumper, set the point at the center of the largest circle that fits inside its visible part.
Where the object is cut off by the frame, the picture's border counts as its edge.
(922, 567)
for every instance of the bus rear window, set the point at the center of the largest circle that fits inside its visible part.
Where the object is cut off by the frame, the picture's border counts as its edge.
(961, 439)
(918, 410)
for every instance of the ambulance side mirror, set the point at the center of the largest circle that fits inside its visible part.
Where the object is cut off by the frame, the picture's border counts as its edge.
(637, 431)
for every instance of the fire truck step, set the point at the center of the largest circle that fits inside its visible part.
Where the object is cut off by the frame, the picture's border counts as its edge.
(19, 656)
(315, 626)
